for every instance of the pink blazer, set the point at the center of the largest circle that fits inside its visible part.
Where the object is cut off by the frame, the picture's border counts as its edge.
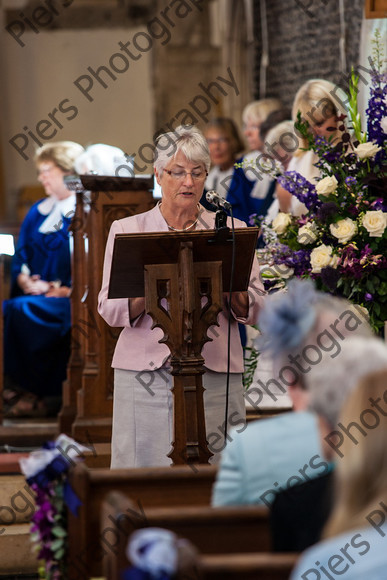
(138, 347)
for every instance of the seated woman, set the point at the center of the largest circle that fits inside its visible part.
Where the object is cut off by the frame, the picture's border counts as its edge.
(355, 544)
(321, 104)
(224, 144)
(37, 318)
(263, 459)
(280, 144)
(232, 183)
(300, 512)
(254, 116)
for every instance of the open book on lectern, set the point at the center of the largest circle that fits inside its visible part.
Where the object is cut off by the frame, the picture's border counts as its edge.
(132, 252)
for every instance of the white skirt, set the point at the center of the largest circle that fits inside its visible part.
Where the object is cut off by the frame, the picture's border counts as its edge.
(143, 416)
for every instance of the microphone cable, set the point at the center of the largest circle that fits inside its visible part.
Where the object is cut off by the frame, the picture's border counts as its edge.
(233, 250)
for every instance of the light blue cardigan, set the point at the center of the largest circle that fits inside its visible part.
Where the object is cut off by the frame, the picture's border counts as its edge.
(269, 454)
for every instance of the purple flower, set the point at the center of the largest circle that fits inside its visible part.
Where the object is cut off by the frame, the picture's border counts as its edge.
(368, 297)
(375, 111)
(45, 511)
(379, 204)
(350, 181)
(300, 187)
(299, 260)
(252, 219)
(45, 554)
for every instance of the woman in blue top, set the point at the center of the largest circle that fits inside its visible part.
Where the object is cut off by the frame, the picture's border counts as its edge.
(356, 534)
(225, 143)
(37, 318)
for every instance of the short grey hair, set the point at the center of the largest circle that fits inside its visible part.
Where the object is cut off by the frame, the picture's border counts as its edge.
(331, 381)
(185, 138)
(258, 111)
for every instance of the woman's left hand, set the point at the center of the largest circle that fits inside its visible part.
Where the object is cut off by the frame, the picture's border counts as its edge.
(56, 291)
(239, 303)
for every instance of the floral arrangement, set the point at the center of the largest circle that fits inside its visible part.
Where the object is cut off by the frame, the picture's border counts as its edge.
(45, 471)
(341, 240)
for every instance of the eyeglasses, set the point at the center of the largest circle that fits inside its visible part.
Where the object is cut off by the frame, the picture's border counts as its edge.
(219, 140)
(250, 127)
(44, 169)
(180, 175)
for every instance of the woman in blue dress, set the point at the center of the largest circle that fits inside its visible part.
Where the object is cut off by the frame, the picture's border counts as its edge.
(224, 143)
(37, 318)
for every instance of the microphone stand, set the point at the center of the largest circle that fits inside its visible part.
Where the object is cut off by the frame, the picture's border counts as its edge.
(221, 227)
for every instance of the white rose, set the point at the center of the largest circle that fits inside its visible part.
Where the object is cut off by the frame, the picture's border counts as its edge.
(321, 257)
(383, 124)
(307, 234)
(343, 230)
(366, 150)
(281, 222)
(375, 223)
(327, 185)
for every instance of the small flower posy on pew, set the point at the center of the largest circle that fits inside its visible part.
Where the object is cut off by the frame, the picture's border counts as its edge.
(46, 473)
(341, 241)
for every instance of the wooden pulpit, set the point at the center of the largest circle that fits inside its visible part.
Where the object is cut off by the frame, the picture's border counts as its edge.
(87, 407)
(183, 277)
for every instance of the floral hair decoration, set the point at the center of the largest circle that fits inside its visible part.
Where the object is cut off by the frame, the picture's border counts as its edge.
(287, 317)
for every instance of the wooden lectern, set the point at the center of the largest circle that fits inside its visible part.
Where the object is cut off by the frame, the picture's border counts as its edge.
(183, 277)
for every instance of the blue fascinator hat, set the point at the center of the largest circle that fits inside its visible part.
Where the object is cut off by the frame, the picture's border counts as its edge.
(287, 317)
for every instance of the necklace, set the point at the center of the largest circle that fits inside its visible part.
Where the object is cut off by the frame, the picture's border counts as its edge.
(183, 229)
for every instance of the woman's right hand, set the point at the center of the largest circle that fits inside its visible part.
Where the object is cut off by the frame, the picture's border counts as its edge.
(136, 307)
(33, 285)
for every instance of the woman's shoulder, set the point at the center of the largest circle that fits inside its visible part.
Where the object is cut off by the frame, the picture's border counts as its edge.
(359, 553)
(34, 209)
(33, 214)
(247, 169)
(145, 221)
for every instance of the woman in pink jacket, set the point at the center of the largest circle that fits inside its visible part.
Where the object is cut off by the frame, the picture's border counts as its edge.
(142, 410)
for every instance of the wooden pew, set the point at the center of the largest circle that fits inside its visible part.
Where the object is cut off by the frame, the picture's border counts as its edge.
(220, 530)
(254, 566)
(148, 487)
(87, 408)
(233, 542)
(5, 266)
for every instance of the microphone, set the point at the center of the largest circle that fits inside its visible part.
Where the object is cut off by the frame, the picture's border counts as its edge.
(217, 200)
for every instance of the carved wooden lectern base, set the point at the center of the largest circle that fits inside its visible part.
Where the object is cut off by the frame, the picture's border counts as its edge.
(183, 277)
(184, 300)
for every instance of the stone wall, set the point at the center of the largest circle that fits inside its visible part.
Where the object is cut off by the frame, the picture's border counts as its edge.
(304, 38)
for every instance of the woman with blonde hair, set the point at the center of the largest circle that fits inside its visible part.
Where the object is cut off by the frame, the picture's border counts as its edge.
(261, 183)
(322, 104)
(355, 534)
(254, 114)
